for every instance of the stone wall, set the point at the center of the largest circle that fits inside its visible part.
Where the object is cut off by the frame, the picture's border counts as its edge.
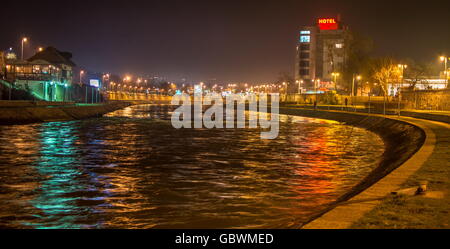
(332, 99)
(427, 99)
(35, 114)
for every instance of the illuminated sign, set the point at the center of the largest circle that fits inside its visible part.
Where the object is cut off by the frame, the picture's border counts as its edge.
(305, 38)
(94, 83)
(328, 24)
(305, 32)
(198, 89)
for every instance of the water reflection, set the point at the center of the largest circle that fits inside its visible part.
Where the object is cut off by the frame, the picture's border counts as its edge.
(57, 165)
(131, 169)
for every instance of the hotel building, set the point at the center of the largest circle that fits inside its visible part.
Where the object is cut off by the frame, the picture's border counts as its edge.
(320, 55)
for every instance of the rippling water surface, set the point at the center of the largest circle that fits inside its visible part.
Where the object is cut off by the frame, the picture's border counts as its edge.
(131, 169)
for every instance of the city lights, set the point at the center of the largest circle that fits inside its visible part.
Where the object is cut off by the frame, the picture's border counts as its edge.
(151, 115)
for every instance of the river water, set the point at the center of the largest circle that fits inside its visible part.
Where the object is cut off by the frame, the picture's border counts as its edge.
(131, 169)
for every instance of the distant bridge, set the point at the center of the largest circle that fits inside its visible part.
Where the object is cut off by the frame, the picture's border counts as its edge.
(138, 97)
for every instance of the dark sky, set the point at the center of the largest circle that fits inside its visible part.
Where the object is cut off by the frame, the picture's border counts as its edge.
(232, 40)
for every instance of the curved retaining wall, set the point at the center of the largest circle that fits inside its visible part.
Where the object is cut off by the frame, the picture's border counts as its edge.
(402, 140)
(26, 115)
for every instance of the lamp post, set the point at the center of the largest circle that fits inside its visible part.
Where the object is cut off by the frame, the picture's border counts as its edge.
(81, 75)
(357, 78)
(444, 60)
(299, 82)
(23, 41)
(402, 67)
(315, 92)
(370, 90)
(335, 76)
(81, 84)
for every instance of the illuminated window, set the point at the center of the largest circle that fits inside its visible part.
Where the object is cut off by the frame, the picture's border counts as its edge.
(339, 45)
(305, 32)
(305, 38)
(36, 69)
(23, 69)
(19, 69)
(45, 70)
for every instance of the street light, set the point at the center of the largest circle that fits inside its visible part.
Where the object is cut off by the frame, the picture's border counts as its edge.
(358, 78)
(81, 84)
(402, 67)
(81, 75)
(23, 41)
(300, 83)
(444, 59)
(335, 75)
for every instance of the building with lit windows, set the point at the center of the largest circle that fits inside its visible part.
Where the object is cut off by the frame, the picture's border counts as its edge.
(320, 54)
(46, 76)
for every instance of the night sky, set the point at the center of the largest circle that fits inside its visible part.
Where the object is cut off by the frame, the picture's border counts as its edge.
(225, 40)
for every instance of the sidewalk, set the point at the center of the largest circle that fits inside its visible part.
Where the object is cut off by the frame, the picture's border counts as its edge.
(441, 116)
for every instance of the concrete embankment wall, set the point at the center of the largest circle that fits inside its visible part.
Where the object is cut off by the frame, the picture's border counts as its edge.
(34, 114)
(402, 140)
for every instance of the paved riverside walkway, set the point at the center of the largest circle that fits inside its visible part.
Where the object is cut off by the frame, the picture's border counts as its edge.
(442, 116)
(376, 207)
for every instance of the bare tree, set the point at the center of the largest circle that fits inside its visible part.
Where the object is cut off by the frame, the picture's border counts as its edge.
(384, 71)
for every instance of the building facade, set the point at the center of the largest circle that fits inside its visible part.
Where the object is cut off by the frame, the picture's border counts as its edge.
(320, 55)
(47, 75)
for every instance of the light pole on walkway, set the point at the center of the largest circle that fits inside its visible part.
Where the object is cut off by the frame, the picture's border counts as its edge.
(23, 41)
(357, 79)
(335, 76)
(402, 67)
(444, 59)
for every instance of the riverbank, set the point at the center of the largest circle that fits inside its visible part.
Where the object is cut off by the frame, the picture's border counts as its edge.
(429, 211)
(441, 116)
(25, 112)
(402, 140)
(373, 205)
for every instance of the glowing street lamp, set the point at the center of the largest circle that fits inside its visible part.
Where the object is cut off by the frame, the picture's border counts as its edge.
(402, 67)
(81, 75)
(23, 41)
(444, 60)
(357, 78)
(127, 79)
(316, 82)
(335, 75)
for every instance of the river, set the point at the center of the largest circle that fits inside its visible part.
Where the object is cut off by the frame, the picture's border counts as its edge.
(131, 169)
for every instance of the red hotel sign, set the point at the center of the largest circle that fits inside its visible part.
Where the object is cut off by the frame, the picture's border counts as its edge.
(328, 24)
